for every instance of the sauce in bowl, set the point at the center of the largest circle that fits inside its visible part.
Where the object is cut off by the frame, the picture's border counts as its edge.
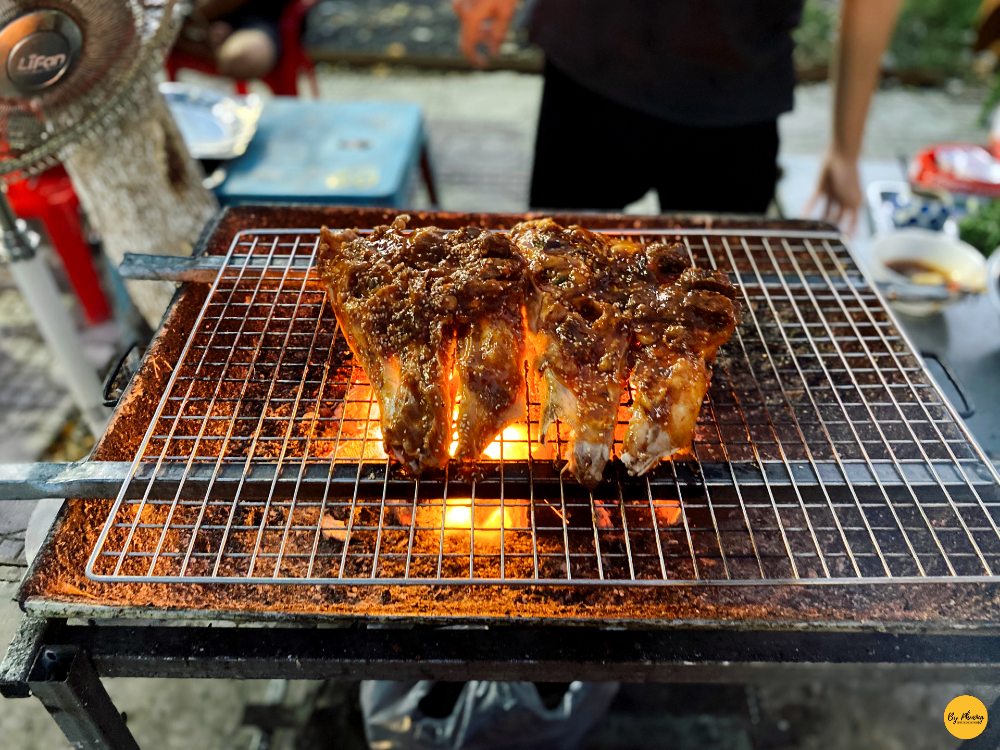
(921, 272)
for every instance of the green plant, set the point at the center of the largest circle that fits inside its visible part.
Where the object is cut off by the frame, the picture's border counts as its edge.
(933, 37)
(981, 229)
(815, 36)
(990, 102)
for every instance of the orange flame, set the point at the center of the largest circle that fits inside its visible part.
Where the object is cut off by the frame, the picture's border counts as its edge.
(668, 512)
(512, 445)
(458, 514)
(487, 520)
(361, 426)
(454, 436)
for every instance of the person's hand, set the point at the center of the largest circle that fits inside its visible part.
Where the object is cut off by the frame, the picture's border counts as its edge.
(484, 23)
(838, 192)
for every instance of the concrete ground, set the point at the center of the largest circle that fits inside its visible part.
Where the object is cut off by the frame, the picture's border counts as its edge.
(481, 131)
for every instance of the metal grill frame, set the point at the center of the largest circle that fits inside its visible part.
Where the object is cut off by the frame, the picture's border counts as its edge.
(844, 281)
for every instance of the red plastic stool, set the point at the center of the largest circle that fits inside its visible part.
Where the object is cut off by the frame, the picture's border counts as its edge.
(284, 79)
(50, 199)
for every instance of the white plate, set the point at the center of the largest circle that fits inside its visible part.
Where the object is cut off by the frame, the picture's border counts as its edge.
(214, 125)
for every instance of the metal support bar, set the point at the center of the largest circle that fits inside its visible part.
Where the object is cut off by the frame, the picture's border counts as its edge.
(16, 665)
(84, 479)
(66, 683)
(104, 479)
(530, 653)
(65, 677)
(204, 268)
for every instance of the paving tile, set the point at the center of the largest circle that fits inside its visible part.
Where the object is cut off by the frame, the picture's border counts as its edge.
(14, 516)
(11, 551)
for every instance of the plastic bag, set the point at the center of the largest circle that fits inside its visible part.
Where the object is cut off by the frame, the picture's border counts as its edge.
(486, 716)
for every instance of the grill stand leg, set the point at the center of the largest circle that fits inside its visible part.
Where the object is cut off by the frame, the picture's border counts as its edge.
(427, 173)
(65, 681)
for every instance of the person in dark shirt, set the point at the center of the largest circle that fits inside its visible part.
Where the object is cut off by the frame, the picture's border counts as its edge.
(240, 36)
(682, 96)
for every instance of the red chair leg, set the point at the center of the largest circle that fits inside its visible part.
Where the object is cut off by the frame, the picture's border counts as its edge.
(290, 82)
(62, 221)
(313, 83)
(284, 79)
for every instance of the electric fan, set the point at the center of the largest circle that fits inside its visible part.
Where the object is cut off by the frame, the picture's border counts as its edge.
(78, 86)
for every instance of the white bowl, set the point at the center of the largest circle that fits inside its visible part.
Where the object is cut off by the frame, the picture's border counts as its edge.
(964, 265)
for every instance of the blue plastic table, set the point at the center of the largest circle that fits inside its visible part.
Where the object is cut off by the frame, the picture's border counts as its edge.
(357, 153)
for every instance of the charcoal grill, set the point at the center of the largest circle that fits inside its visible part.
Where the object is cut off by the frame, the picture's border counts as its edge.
(831, 492)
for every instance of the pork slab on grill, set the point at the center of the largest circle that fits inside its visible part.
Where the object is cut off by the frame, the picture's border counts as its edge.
(679, 316)
(428, 313)
(600, 306)
(437, 318)
(579, 333)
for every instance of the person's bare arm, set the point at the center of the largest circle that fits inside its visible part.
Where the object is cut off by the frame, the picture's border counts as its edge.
(866, 28)
(484, 23)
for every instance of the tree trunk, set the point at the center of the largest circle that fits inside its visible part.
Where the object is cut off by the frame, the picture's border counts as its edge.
(142, 192)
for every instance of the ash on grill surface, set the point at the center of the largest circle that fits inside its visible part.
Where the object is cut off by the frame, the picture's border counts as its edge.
(58, 576)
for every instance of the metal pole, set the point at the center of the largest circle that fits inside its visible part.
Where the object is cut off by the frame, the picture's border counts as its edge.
(66, 683)
(32, 276)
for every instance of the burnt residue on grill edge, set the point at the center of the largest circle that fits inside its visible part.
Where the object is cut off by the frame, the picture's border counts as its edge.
(59, 574)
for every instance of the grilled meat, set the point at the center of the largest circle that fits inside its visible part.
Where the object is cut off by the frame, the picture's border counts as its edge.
(490, 351)
(401, 298)
(598, 307)
(437, 321)
(385, 290)
(680, 318)
(578, 334)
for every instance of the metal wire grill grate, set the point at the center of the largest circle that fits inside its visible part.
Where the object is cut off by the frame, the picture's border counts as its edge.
(823, 453)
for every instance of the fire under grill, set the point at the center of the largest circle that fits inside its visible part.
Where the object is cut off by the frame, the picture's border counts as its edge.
(824, 453)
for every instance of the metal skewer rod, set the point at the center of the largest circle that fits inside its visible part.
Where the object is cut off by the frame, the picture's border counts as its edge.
(96, 480)
(204, 268)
